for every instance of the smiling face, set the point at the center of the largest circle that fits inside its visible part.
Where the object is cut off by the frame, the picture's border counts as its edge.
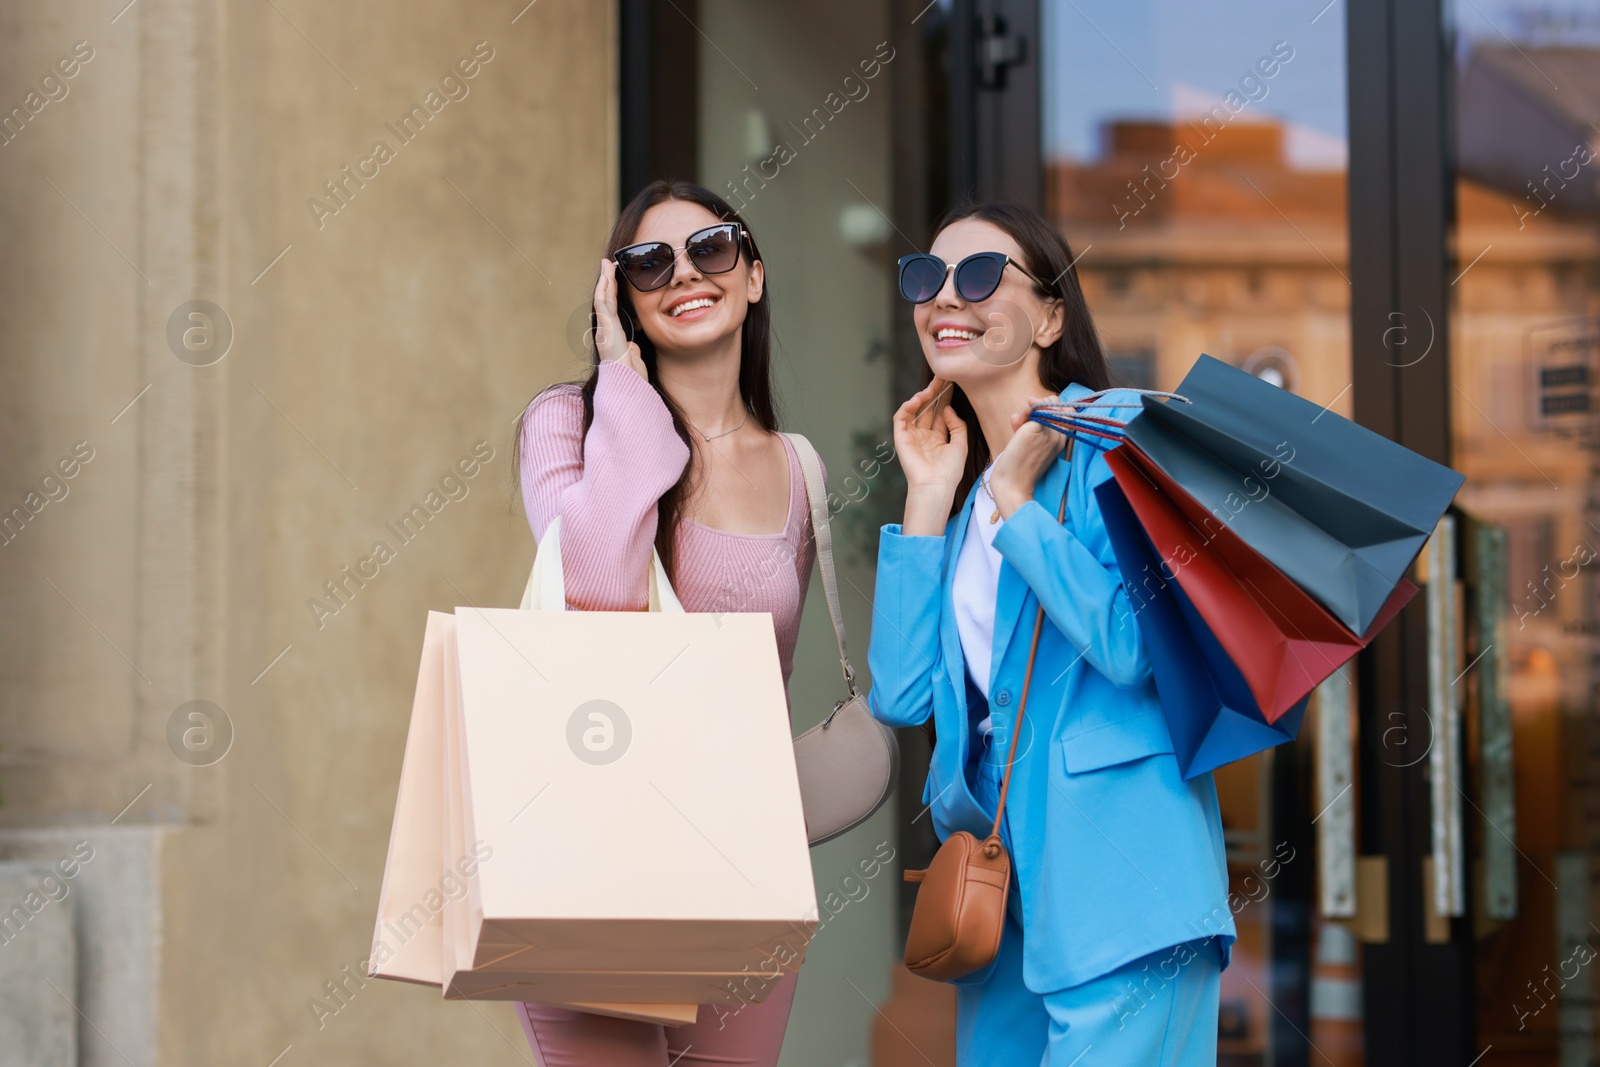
(693, 310)
(971, 342)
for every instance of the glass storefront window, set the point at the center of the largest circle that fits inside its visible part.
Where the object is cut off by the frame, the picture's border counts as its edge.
(793, 129)
(1198, 167)
(1195, 158)
(1525, 352)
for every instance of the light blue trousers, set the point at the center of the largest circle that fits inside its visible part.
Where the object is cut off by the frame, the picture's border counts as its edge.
(1157, 1011)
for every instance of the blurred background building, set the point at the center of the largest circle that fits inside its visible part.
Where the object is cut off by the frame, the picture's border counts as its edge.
(243, 345)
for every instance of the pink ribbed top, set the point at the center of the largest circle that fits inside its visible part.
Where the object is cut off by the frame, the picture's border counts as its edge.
(606, 489)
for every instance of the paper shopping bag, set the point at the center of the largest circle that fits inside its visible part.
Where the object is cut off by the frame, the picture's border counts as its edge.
(622, 987)
(1339, 509)
(665, 1014)
(506, 987)
(1210, 712)
(617, 962)
(633, 775)
(407, 942)
(1281, 640)
(683, 950)
(420, 885)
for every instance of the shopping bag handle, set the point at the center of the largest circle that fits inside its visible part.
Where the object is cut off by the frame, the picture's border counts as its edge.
(1067, 417)
(546, 588)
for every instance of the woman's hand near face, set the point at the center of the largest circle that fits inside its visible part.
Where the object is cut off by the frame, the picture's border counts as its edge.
(610, 342)
(1027, 455)
(931, 441)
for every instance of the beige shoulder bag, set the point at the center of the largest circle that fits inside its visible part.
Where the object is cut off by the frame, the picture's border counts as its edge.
(848, 761)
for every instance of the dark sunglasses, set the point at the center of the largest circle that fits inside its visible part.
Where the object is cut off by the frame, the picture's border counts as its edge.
(977, 276)
(714, 250)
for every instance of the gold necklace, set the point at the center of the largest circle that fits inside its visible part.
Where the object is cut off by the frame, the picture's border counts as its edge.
(996, 516)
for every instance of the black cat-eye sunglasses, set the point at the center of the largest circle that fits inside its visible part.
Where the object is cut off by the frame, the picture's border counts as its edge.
(713, 250)
(977, 276)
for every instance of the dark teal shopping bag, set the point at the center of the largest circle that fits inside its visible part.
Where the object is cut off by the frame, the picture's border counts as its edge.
(1338, 509)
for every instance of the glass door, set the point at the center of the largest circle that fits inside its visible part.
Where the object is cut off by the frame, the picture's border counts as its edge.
(1195, 156)
(1525, 322)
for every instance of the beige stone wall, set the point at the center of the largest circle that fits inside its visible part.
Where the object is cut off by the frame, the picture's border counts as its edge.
(390, 338)
(78, 278)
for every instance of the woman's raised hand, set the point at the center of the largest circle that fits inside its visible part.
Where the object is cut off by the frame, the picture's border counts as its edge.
(1025, 458)
(931, 442)
(610, 342)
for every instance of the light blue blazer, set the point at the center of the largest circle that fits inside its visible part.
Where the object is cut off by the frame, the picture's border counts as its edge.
(1115, 855)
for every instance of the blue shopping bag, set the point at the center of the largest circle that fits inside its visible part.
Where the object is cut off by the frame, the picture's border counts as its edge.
(1211, 715)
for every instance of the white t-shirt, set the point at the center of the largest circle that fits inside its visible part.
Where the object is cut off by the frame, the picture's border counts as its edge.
(975, 589)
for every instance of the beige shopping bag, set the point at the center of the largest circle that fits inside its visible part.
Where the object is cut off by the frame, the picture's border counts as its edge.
(419, 884)
(682, 948)
(671, 987)
(634, 776)
(597, 908)
(407, 943)
(666, 1014)
(546, 592)
(665, 838)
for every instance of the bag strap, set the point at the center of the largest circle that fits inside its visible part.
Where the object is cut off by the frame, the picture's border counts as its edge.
(546, 588)
(1027, 677)
(817, 496)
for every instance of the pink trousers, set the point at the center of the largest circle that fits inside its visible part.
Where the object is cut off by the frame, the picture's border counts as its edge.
(723, 1034)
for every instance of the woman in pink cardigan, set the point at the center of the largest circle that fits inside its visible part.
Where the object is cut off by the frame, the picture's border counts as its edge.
(672, 442)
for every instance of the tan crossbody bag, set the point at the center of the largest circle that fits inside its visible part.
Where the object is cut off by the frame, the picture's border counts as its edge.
(960, 911)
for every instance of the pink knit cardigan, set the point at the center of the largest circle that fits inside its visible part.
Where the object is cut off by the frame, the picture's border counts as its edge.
(605, 488)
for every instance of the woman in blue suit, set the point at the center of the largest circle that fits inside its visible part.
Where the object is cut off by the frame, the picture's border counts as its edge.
(1118, 920)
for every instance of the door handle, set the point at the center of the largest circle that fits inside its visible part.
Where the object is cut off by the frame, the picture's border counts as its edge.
(1490, 584)
(1336, 812)
(1446, 781)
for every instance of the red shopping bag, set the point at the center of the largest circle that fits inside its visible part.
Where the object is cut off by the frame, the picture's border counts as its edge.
(1283, 642)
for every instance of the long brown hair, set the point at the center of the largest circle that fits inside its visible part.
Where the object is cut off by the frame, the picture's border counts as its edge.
(1075, 356)
(755, 363)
